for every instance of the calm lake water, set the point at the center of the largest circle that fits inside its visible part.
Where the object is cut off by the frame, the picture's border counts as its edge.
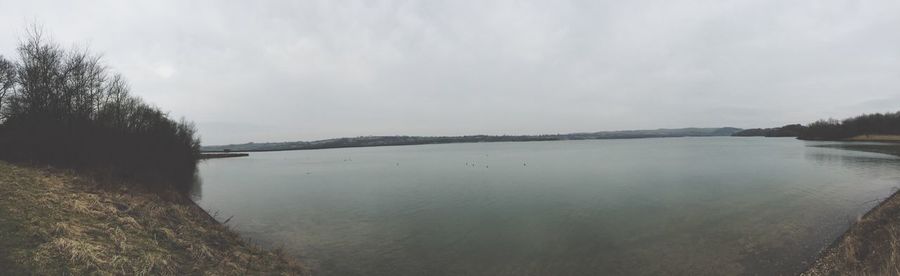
(644, 206)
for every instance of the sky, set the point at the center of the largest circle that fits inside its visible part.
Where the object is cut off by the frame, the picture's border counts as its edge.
(279, 70)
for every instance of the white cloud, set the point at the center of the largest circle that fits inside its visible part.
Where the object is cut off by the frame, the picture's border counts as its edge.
(164, 71)
(318, 69)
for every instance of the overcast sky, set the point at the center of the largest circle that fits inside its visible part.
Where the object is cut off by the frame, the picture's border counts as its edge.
(303, 70)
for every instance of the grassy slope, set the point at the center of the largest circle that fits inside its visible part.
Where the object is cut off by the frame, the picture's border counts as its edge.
(54, 223)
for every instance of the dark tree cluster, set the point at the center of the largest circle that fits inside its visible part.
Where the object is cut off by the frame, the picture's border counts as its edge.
(878, 123)
(794, 130)
(64, 108)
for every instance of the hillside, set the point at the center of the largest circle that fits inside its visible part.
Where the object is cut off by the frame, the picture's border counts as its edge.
(60, 223)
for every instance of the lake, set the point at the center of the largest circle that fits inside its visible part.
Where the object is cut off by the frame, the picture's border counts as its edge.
(718, 205)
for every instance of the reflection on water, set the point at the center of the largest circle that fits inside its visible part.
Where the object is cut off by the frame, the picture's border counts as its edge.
(876, 147)
(196, 191)
(857, 160)
(646, 206)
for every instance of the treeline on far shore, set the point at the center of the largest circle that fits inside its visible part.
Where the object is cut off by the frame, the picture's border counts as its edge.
(65, 108)
(832, 129)
(785, 131)
(377, 141)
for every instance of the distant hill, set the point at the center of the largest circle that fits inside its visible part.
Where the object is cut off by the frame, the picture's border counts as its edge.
(794, 130)
(374, 141)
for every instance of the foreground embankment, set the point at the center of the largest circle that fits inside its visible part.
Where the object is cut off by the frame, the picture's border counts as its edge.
(60, 223)
(872, 245)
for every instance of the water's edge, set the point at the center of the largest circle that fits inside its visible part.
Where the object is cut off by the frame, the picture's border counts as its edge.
(829, 262)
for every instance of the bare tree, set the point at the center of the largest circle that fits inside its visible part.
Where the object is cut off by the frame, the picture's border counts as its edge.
(65, 108)
(7, 80)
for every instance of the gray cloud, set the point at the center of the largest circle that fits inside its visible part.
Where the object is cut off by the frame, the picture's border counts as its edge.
(290, 70)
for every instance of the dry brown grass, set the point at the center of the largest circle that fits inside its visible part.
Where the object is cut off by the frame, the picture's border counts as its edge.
(870, 247)
(56, 223)
(876, 138)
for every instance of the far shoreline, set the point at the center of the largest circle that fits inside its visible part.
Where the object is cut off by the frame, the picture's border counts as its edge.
(216, 155)
(467, 142)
